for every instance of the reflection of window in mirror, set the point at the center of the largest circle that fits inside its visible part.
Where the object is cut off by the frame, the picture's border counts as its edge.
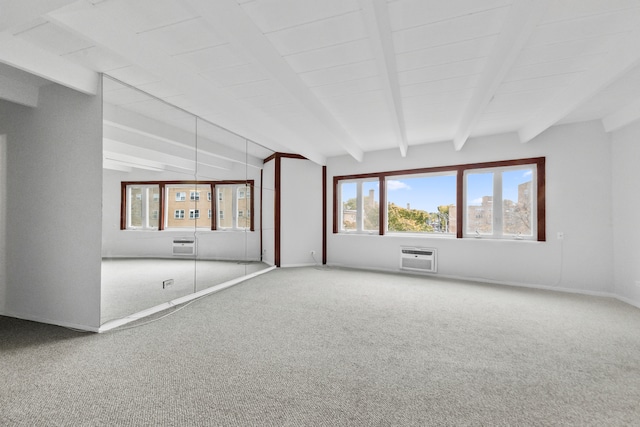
(143, 202)
(194, 205)
(234, 204)
(161, 205)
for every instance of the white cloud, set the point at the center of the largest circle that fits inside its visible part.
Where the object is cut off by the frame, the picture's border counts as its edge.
(397, 185)
(528, 173)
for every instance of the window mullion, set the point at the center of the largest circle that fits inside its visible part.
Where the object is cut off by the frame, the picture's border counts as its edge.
(497, 204)
(359, 208)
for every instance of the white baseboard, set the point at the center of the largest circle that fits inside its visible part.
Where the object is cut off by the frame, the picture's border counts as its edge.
(495, 282)
(69, 325)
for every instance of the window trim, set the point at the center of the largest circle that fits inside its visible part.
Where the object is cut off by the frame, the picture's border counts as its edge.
(162, 208)
(539, 163)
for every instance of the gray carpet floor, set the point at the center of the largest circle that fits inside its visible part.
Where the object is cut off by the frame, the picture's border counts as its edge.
(313, 347)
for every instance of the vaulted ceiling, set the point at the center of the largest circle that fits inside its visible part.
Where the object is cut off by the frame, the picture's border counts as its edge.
(330, 77)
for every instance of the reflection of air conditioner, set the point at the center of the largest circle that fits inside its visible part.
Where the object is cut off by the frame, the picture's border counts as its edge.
(185, 246)
(418, 259)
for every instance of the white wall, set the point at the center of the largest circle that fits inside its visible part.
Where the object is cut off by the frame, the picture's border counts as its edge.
(301, 212)
(218, 245)
(54, 189)
(578, 203)
(626, 205)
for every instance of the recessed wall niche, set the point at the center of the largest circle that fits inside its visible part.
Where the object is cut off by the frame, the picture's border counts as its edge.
(182, 202)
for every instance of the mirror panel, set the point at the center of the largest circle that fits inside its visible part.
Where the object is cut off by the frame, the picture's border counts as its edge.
(181, 203)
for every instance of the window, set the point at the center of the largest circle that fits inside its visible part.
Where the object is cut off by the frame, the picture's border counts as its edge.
(360, 206)
(499, 200)
(142, 206)
(421, 203)
(161, 205)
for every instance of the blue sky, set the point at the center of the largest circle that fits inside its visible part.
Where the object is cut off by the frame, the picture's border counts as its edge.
(427, 193)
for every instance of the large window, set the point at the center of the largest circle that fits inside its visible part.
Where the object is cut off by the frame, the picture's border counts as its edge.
(500, 200)
(163, 205)
(421, 203)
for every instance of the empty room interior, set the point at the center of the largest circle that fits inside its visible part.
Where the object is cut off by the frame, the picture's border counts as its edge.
(419, 165)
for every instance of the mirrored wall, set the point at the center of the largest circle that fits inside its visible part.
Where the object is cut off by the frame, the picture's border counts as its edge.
(182, 203)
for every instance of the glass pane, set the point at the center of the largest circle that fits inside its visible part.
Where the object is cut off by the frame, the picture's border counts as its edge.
(135, 207)
(371, 206)
(517, 212)
(244, 207)
(202, 205)
(225, 207)
(423, 204)
(480, 203)
(349, 195)
(154, 206)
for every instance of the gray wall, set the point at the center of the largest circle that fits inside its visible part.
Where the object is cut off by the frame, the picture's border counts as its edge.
(54, 196)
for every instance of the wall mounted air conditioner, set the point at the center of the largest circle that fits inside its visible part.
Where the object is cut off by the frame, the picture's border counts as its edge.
(418, 259)
(185, 246)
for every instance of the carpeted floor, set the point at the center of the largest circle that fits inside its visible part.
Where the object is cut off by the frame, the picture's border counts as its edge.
(311, 347)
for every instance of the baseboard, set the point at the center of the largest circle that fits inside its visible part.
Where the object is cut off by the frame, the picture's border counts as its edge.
(627, 301)
(492, 282)
(307, 264)
(68, 325)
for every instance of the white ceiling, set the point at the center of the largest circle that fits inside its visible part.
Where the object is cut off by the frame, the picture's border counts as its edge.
(330, 77)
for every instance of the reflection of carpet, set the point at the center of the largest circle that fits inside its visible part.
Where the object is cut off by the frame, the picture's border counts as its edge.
(132, 285)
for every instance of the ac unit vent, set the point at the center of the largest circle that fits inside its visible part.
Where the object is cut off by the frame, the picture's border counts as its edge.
(418, 259)
(184, 247)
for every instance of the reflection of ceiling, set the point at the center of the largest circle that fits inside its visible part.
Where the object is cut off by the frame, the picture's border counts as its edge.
(332, 77)
(144, 132)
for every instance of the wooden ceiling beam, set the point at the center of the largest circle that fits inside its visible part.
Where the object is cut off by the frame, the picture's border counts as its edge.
(376, 16)
(521, 21)
(583, 88)
(102, 25)
(622, 117)
(227, 16)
